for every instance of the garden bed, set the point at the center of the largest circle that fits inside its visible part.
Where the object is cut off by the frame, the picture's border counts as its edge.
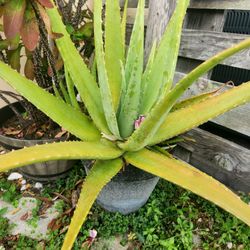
(172, 219)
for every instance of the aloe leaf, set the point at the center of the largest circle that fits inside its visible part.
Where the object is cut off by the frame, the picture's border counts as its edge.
(100, 174)
(194, 99)
(58, 151)
(129, 108)
(135, 50)
(65, 93)
(108, 92)
(190, 178)
(114, 52)
(63, 114)
(133, 73)
(143, 135)
(149, 67)
(197, 113)
(123, 27)
(161, 76)
(70, 88)
(56, 92)
(79, 72)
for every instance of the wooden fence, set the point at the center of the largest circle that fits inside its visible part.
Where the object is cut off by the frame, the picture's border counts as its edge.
(224, 153)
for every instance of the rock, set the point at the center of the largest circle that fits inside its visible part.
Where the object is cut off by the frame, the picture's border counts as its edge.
(14, 176)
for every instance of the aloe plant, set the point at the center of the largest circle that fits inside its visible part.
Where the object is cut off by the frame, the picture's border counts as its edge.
(129, 110)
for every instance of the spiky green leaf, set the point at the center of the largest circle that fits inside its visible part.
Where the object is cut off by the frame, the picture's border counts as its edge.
(71, 90)
(58, 151)
(197, 113)
(123, 27)
(79, 72)
(190, 178)
(160, 78)
(149, 67)
(133, 73)
(100, 174)
(65, 115)
(158, 114)
(194, 99)
(114, 52)
(109, 91)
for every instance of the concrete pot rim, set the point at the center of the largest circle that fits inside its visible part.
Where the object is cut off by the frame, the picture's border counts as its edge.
(44, 171)
(6, 113)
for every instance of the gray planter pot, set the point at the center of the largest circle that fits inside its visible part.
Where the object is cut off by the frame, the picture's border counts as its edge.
(45, 171)
(127, 191)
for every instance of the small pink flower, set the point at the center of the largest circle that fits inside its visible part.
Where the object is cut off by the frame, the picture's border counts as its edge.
(92, 234)
(139, 121)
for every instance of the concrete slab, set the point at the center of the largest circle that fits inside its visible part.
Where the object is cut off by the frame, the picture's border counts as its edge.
(17, 216)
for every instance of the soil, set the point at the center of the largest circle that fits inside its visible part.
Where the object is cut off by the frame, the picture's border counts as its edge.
(30, 130)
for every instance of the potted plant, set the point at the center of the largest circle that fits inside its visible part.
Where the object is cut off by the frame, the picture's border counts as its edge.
(129, 111)
(43, 64)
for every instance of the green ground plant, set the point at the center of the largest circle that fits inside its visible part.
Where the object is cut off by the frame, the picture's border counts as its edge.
(128, 112)
(170, 220)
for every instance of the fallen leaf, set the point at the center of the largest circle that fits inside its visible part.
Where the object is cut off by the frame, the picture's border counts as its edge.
(74, 198)
(55, 224)
(11, 131)
(61, 133)
(15, 211)
(25, 216)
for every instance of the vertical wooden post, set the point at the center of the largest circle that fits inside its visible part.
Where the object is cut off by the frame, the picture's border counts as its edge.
(160, 12)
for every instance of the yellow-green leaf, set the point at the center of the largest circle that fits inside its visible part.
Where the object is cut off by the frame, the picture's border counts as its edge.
(160, 77)
(109, 91)
(100, 174)
(113, 49)
(69, 118)
(58, 151)
(146, 132)
(79, 72)
(123, 27)
(197, 113)
(190, 178)
(130, 98)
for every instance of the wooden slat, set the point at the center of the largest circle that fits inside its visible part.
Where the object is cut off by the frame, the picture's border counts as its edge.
(206, 4)
(201, 45)
(223, 159)
(237, 119)
(212, 20)
(220, 4)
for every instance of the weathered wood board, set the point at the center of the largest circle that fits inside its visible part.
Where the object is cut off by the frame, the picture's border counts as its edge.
(220, 4)
(202, 45)
(206, 4)
(224, 160)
